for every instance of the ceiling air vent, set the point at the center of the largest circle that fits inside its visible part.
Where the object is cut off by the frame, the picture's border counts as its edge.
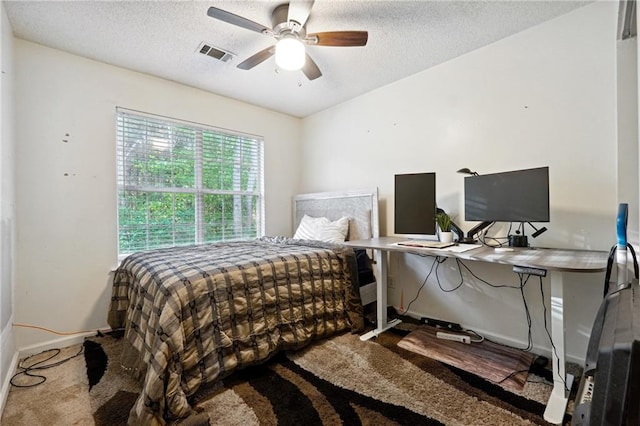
(215, 52)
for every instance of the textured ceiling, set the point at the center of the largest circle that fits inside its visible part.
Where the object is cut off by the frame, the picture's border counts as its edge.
(162, 38)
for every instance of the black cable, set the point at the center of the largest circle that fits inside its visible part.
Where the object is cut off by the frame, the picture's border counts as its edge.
(460, 262)
(523, 282)
(512, 374)
(528, 315)
(497, 244)
(440, 284)
(546, 328)
(435, 261)
(483, 237)
(480, 337)
(27, 371)
(529, 347)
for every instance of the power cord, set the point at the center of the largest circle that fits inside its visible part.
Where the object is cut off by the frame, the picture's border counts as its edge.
(440, 284)
(524, 278)
(38, 366)
(56, 332)
(511, 375)
(523, 282)
(479, 338)
(435, 262)
(483, 238)
(461, 263)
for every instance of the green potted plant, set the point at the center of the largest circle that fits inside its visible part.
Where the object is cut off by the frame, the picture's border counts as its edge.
(444, 224)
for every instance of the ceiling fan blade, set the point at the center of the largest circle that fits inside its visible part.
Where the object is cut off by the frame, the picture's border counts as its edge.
(299, 11)
(310, 68)
(233, 19)
(339, 38)
(257, 59)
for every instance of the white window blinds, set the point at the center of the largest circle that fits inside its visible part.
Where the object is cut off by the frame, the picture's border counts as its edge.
(183, 183)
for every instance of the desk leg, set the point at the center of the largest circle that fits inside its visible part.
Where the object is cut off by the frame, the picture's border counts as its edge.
(381, 299)
(562, 381)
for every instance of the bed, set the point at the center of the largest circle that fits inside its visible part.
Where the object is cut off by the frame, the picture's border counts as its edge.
(193, 315)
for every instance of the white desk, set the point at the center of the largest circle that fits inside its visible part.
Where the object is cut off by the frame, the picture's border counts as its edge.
(556, 262)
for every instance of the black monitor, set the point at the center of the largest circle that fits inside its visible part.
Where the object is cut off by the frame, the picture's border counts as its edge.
(515, 196)
(415, 204)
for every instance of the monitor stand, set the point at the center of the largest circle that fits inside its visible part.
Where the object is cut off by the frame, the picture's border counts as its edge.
(470, 238)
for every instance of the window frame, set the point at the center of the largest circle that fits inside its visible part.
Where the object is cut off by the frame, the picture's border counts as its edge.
(245, 143)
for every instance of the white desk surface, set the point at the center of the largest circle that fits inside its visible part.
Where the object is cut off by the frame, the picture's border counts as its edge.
(562, 260)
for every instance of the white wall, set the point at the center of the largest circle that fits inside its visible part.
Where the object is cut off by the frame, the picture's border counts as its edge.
(7, 207)
(628, 177)
(544, 97)
(66, 175)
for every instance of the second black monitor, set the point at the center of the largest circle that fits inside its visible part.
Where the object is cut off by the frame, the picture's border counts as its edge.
(515, 196)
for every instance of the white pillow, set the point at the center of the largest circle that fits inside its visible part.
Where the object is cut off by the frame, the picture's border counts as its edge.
(322, 229)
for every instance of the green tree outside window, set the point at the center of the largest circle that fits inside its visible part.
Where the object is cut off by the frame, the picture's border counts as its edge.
(180, 183)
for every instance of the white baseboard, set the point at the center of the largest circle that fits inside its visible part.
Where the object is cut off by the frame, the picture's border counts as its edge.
(4, 391)
(60, 342)
(7, 349)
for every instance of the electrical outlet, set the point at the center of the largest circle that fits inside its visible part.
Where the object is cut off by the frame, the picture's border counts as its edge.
(391, 283)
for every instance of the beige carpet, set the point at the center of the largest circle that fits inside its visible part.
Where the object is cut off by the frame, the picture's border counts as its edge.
(378, 370)
(62, 400)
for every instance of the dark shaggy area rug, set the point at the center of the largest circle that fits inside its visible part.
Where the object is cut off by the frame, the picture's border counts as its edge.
(341, 380)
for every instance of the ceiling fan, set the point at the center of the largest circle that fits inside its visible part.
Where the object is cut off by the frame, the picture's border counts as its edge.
(289, 30)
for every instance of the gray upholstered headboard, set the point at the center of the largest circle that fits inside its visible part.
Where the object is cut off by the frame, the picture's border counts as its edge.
(361, 207)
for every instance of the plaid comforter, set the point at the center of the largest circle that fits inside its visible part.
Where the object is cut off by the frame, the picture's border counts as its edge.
(195, 314)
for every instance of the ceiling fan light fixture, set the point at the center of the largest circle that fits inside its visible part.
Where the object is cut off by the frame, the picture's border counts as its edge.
(290, 53)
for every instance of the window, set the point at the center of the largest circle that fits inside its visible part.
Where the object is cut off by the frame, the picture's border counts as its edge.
(183, 183)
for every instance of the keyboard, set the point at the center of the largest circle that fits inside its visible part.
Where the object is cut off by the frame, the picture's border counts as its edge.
(424, 244)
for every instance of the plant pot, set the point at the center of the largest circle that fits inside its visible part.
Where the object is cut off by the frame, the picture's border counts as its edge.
(446, 237)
